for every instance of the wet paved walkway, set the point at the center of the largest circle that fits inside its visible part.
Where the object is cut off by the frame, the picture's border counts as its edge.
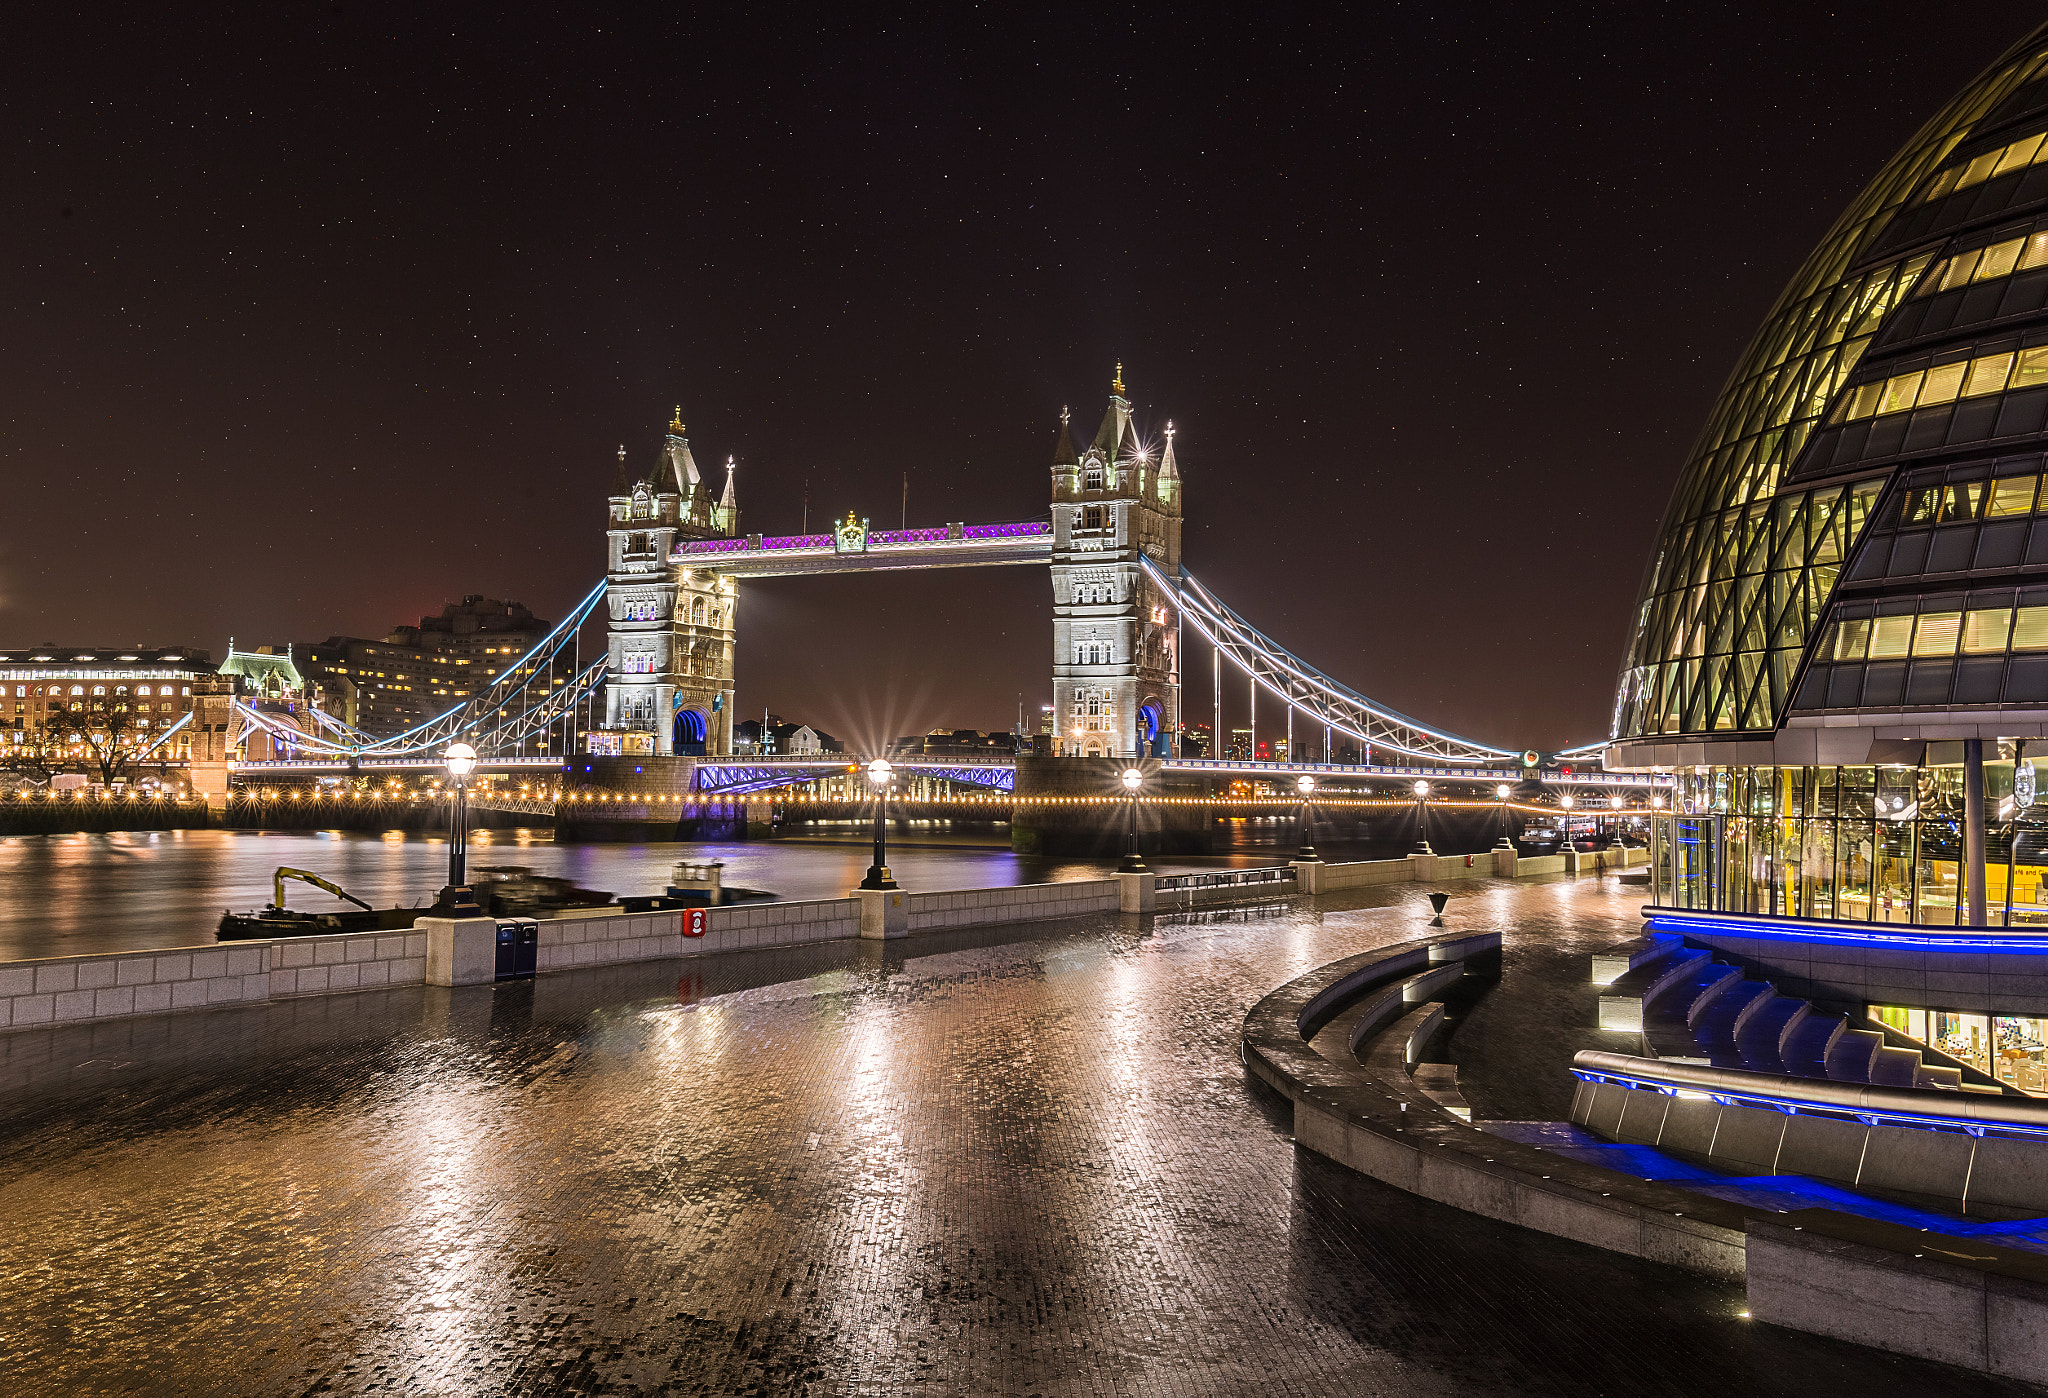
(1022, 1161)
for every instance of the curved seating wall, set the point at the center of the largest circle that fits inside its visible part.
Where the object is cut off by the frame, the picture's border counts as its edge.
(1973, 1154)
(1374, 1117)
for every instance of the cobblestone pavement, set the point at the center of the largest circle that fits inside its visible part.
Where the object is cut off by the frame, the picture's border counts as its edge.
(1023, 1161)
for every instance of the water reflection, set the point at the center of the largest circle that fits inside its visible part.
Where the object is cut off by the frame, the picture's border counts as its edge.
(65, 895)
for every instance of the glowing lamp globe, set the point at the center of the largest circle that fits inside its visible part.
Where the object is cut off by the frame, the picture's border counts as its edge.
(460, 760)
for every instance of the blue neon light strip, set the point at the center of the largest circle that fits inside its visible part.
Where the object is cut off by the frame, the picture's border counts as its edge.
(1792, 1105)
(1684, 921)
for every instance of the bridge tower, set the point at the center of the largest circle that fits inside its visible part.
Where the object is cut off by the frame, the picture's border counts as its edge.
(1116, 651)
(670, 689)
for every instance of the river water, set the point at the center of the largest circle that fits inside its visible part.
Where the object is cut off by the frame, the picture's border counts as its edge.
(66, 895)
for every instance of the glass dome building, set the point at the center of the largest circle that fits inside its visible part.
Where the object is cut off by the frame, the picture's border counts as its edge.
(1840, 647)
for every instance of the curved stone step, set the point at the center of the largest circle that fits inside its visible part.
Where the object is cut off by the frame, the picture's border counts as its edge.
(1762, 1033)
(1718, 1020)
(1668, 1018)
(1851, 1055)
(1896, 1067)
(1807, 1040)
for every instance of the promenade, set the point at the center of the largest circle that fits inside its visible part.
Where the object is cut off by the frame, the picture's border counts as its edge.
(1017, 1160)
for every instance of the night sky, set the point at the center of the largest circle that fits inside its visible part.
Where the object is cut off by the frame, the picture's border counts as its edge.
(317, 317)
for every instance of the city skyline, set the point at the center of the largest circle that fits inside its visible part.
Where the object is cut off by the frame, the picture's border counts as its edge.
(366, 339)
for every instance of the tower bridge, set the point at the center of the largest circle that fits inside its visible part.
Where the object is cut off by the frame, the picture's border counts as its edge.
(1124, 606)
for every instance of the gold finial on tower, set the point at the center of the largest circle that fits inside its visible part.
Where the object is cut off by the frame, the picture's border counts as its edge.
(1117, 384)
(675, 424)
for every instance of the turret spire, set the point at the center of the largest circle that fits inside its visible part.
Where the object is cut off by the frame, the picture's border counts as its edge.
(729, 503)
(1063, 453)
(1116, 385)
(675, 456)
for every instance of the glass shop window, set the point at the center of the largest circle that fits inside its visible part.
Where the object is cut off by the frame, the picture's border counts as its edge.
(2021, 1043)
(1960, 1036)
(1904, 1019)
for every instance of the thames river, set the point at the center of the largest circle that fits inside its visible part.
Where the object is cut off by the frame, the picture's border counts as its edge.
(65, 895)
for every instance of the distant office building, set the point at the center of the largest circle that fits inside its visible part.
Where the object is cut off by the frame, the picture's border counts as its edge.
(957, 742)
(387, 686)
(150, 687)
(782, 739)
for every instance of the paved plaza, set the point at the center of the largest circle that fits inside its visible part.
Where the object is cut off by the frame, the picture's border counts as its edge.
(1020, 1161)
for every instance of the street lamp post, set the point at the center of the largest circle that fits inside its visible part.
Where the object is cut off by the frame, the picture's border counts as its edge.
(1307, 787)
(1502, 792)
(1422, 819)
(460, 760)
(1565, 804)
(1133, 862)
(880, 773)
(1615, 803)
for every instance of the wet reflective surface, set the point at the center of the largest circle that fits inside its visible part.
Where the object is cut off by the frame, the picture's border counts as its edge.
(1021, 1161)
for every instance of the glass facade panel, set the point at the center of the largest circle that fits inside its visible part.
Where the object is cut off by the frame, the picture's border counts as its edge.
(1936, 634)
(1891, 637)
(1865, 844)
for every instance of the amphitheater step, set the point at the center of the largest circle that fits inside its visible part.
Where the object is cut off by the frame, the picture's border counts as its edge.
(1852, 1054)
(1807, 1040)
(1668, 1017)
(1716, 1022)
(1759, 1039)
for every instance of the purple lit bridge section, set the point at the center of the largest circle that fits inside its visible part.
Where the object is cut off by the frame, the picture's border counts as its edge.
(737, 778)
(871, 551)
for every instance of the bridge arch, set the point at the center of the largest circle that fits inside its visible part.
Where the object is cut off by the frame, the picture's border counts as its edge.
(1151, 725)
(692, 728)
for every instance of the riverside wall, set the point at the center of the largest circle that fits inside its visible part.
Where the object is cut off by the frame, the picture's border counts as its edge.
(70, 990)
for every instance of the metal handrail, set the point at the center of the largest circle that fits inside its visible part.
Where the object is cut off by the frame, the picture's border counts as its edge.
(1870, 1103)
(1227, 878)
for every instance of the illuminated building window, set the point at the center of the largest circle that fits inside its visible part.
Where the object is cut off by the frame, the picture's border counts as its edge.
(1986, 264)
(2014, 155)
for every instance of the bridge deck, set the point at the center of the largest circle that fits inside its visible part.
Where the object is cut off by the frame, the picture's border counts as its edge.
(882, 550)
